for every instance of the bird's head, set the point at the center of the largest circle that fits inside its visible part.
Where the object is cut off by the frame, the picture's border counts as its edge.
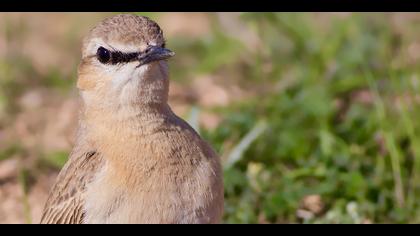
(124, 64)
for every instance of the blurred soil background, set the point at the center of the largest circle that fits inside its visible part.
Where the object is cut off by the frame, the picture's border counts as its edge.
(315, 115)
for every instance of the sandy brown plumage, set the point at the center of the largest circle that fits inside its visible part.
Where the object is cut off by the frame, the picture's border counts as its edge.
(134, 161)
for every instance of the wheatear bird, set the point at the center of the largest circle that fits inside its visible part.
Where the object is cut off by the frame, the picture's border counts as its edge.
(134, 160)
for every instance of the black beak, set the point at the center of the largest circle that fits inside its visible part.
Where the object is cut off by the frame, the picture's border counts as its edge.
(154, 53)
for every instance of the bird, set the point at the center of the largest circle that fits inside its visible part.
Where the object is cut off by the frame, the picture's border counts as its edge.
(134, 161)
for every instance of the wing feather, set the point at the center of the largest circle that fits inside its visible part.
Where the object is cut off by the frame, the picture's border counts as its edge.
(66, 200)
(65, 204)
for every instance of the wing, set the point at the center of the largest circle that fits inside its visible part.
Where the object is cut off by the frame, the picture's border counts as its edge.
(66, 200)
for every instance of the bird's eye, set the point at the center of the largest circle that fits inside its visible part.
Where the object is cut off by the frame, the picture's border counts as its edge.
(103, 55)
(163, 45)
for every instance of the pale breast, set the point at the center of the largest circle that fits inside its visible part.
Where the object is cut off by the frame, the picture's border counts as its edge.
(181, 192)
(168, 175)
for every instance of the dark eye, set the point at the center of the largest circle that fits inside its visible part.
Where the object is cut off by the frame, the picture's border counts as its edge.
(163, 45)
(103, 55)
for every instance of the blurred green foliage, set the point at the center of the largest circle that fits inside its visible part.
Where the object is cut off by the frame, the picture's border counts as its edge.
(362, 158)
(333, 113)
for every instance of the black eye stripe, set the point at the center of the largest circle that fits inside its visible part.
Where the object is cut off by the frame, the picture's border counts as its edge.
(106, 56)
(120, 57)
